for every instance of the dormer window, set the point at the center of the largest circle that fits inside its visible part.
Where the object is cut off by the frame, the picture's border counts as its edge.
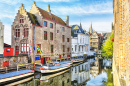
(75, 32)
(21, 20)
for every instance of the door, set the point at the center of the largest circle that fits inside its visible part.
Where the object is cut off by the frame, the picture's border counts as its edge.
(16, 50)
(44, 60)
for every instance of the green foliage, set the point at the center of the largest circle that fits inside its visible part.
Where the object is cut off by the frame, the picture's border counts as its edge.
(109, 81)
(107, 48)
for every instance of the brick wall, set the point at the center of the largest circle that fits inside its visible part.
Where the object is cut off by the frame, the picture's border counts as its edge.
(13, 61)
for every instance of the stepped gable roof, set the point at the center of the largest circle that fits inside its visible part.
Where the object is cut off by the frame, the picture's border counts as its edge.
(51, 16)
(33, 19)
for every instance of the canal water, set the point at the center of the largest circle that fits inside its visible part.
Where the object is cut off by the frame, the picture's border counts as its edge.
(79, 75)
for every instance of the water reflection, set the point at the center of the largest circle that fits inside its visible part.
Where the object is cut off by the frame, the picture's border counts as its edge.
(78, 75)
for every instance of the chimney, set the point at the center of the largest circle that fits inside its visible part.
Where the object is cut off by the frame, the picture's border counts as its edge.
(48, 8)
(67, 20)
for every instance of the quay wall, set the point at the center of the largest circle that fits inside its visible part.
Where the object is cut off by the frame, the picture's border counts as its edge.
(13, 60)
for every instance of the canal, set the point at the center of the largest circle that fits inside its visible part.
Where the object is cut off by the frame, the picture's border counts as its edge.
(78, 75)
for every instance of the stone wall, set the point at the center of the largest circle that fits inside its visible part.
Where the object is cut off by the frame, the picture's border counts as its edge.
(13, 61)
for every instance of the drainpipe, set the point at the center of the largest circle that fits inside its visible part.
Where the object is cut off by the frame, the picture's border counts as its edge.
(34, 45)
(55, 40)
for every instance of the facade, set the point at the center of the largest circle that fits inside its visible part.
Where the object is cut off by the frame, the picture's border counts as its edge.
(121, 51)
(95, 39)
(80, 42)
(1, 39)
(40, 33)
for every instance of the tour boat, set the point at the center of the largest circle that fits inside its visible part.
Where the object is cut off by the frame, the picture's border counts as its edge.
(53, 69)
(10, 77)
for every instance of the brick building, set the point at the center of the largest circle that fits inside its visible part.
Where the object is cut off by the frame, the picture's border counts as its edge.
(121, 52)
(50, 34)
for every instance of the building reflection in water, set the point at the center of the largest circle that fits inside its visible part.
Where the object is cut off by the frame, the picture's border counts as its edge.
(97, 67)
(80, 74)
(59, 79)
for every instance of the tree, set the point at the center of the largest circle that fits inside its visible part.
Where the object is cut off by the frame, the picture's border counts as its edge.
(107, 48)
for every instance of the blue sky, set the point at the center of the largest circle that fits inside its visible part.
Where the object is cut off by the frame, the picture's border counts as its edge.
(99, 12)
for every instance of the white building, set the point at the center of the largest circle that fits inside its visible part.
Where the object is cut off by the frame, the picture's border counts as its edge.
(1, 39)
(80, 42)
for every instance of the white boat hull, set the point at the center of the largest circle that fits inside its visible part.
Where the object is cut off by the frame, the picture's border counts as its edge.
(54, 70)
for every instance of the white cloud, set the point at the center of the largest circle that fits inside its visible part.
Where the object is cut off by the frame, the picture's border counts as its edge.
(7, 33)
(10, 2)
(6, 15)
(84, 10)
(97, 26)
(56, 0)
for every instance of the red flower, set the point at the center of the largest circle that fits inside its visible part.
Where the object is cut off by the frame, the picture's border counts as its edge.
(112, 39)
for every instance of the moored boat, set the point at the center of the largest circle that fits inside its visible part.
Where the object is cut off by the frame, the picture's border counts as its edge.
(53, 69)
(10, 77)
(65, 62)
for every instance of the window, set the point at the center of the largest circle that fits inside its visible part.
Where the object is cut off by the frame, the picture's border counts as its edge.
(51, 25)
(75, 47)
(82, 48)
(79, 48)
(63, 38)
(51, 36)
(45, 35)
(68, 80)
(57, 31)
(45, 23)
(75, 32)
(21, 20)
(38, 46)
(26, 32)
(63, 29)
(62, 83)
(24, 48)
(17, 33)
(68, 49)
(17, 49)
(51, 48)
(63, 48)
(68, 40)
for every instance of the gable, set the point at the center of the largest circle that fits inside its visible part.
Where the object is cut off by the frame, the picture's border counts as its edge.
(51, 16)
